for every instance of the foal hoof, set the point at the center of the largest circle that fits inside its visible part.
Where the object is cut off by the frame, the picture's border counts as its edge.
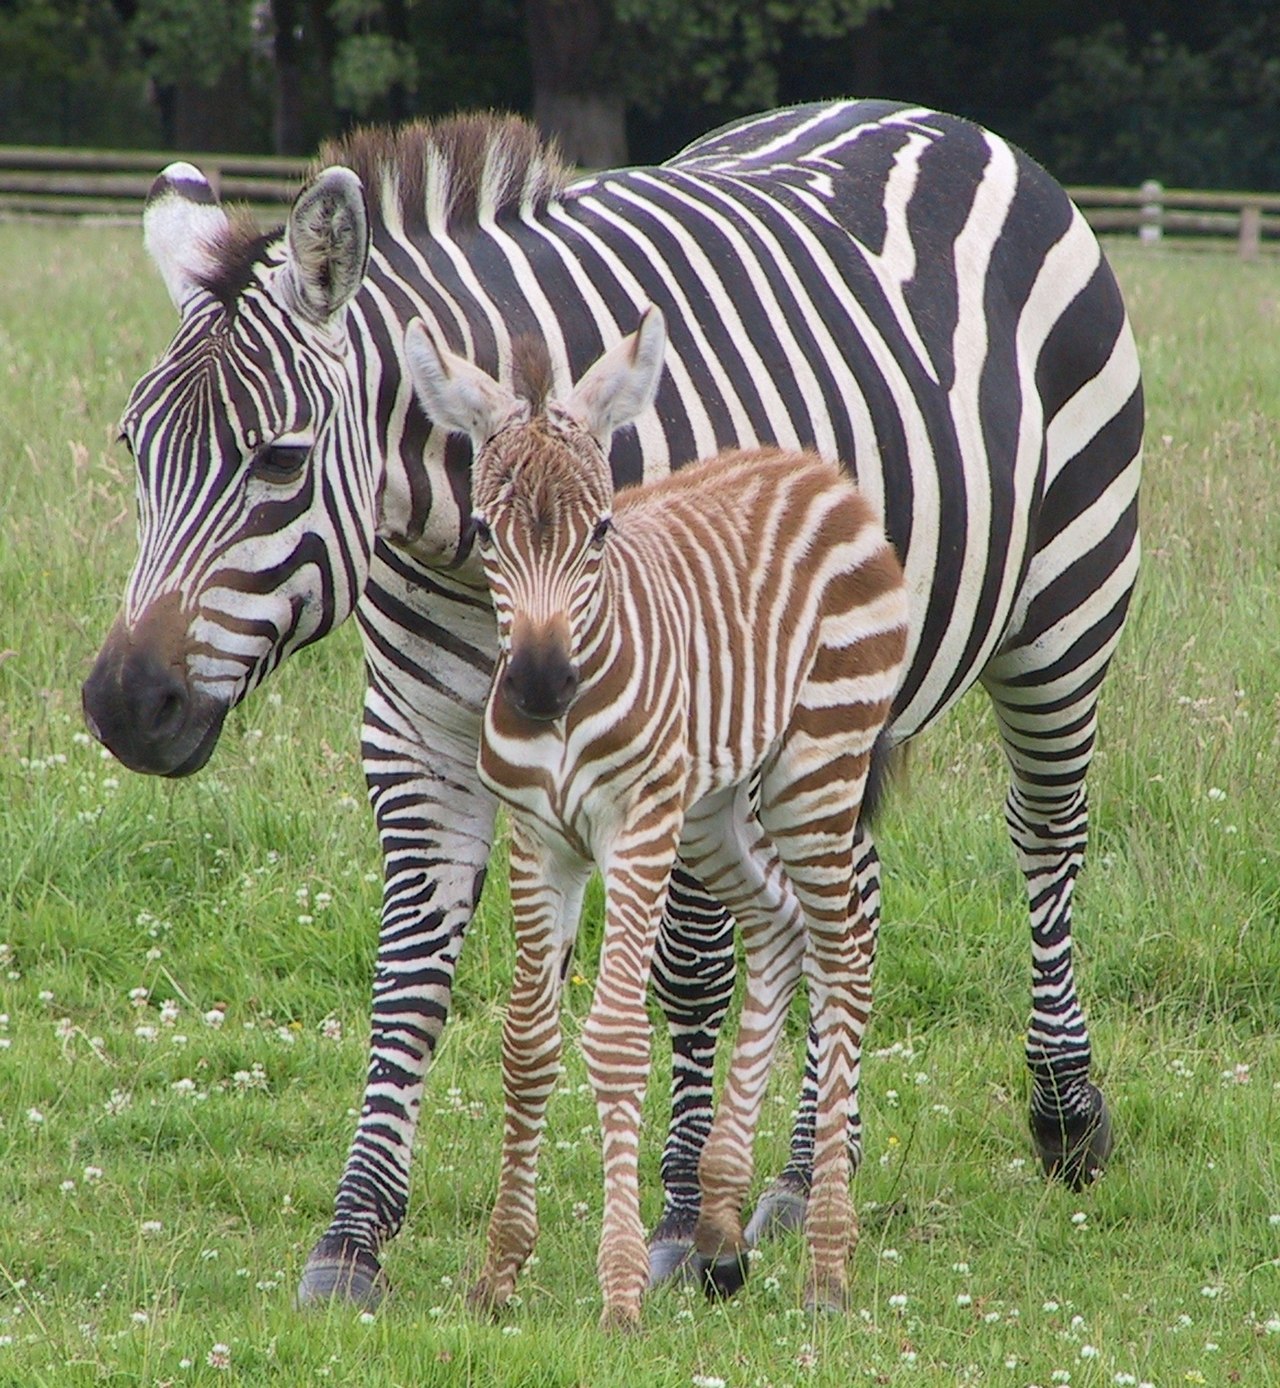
(724, 1276)
(827, 1302)
(620, 1320)
(781, 1209)
(340, 1271)
(671, 1248)
(1075, 1151)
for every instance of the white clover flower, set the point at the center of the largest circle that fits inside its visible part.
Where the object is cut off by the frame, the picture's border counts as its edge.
(64, 1029)
(139, 1318)
(92, 1174)
(146, 1033)
(964, 1299)
(897, 1301)
(35, 1117)
(1217, 793)
(1079, 1218)
(117, 1102)
(67, 1187)
(215, 1017)
(151, 1227)
(1088, 1351)
(219, 1357)
(138, 996)
(169, 1012)
(1212, 1292)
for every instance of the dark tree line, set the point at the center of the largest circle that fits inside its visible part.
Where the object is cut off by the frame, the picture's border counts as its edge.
(1101, 90)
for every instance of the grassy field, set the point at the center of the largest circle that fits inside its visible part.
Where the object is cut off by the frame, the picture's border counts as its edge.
(184, 970)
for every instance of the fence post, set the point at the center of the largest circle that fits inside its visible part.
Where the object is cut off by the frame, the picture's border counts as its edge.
(1250, 231)
(1151, 227)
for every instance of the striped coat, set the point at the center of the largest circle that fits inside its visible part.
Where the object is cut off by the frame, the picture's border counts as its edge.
(701, 667)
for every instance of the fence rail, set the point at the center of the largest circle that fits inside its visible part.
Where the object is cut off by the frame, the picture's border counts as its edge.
(44, 181)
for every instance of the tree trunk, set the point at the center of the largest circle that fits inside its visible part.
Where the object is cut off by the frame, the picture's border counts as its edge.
(286, 128)
(571, 100)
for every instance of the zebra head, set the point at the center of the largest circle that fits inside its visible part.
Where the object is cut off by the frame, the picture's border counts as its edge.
(256, 495)
(541, 494)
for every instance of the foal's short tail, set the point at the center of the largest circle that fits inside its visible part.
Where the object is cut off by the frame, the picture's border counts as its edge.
(887, 762)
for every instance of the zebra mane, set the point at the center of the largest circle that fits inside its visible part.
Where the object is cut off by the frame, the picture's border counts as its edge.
(238, 248)
(445, 174)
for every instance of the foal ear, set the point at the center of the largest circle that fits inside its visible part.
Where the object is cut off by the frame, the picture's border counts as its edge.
(623, 382)
(327, 243)
(182, 222)
(455, 394)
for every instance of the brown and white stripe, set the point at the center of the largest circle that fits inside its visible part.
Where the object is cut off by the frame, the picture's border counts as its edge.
(697, 667)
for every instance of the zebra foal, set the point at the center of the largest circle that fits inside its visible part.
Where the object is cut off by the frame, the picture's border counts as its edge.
(659, 653)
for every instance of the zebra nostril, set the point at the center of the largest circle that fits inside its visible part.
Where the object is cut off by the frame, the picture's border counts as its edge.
(169, 711)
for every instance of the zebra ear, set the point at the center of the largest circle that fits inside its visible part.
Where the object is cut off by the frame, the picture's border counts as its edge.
(180, 226)
(624, 381)
(454, 393)
(327, 244)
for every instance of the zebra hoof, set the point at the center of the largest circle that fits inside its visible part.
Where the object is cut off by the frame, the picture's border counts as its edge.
(781, 1209)
(1075, 1152)
(339, 1271)
(671, 1248)
(723, 1277)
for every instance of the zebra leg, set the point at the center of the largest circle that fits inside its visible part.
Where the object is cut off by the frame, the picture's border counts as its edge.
(436, 834)
(1049, 748)
(616, 1045)
(546, 901)
(693, 968)
(782, 1206)
(735, 858)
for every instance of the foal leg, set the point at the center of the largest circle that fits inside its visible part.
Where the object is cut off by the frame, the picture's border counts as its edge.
(737, 861)
(781, 1208)
(812, 818)
(616, 1044)
(546, 900)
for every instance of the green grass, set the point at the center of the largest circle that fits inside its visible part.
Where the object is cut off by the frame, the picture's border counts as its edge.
(253, 889)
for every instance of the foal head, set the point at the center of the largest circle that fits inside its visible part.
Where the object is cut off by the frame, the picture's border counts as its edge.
(541, 493)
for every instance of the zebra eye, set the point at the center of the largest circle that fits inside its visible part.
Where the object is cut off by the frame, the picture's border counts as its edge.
(480, 532)
(601, 531)
(279, 462)
(123, 438)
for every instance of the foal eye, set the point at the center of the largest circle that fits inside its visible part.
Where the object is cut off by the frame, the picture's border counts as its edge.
(279, 462)
(480, 532)
(601, 531)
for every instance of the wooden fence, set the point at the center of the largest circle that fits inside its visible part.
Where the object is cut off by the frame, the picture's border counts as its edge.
(43, 181)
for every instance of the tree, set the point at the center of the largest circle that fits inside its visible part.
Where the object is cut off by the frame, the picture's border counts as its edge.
(590, 59)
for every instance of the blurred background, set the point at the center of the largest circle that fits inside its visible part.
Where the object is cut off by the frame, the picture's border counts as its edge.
(1100, 91)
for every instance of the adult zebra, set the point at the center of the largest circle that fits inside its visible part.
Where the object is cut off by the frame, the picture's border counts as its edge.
(885, 284)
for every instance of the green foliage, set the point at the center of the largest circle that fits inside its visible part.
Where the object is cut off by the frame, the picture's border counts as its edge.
(366, 67)
(192, 40)
(1122, 109)
(720, 53)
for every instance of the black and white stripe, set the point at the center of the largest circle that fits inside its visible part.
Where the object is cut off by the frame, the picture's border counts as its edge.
(881, 283)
